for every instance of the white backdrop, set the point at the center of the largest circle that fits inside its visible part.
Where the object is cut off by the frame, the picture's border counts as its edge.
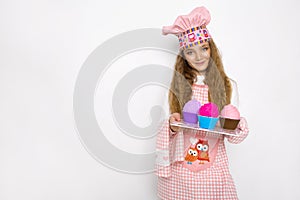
(43, 45)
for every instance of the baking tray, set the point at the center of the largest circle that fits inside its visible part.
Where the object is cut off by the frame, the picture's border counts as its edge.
(217, 128)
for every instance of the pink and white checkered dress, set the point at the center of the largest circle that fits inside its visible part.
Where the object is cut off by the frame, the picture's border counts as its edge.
(187, 174)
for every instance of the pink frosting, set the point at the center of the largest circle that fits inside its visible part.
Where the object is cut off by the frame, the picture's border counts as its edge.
(198, 17)
(192, 106)
(209, 110)
(231, 112)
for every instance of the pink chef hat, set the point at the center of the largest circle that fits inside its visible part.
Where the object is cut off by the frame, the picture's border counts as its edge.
(190, 29)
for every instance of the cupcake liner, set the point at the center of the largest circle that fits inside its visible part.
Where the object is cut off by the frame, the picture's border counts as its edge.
(207, 122)
(229, 124)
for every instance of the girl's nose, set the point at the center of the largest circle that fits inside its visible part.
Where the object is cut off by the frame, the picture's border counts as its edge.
(198, 55)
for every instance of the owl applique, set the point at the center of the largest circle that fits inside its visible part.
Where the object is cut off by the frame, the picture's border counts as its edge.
(200, 152)
(202, 149)
(192, 155)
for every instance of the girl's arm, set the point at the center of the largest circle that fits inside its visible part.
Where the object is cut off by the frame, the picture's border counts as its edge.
(241, 134)
(242, 129)
(164, 152)
(171, 117)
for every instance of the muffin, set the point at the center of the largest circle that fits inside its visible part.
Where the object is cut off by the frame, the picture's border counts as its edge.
(229, 117)
(190, 111)
(208, 116)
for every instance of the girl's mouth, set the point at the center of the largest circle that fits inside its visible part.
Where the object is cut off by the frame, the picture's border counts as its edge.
(200, 63)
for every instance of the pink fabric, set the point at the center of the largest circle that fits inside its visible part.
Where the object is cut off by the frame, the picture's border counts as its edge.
(169, 149)
(231, 112)
(198, 17)
(177, 180)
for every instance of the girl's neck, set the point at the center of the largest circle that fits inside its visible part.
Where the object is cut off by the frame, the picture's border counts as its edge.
(201, 73)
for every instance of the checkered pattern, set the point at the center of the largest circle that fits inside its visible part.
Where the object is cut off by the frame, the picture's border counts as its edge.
(179, 183)
(241, 133)
(169, 149)
(200, 93)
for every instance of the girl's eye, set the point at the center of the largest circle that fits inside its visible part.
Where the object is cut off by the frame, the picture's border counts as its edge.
(189, 53)
(205, 49)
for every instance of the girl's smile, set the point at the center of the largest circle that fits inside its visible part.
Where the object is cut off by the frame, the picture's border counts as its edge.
(200, 63)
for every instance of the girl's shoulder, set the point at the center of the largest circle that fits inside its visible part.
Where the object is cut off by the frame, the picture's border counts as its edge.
(235, 93)
(233, 82)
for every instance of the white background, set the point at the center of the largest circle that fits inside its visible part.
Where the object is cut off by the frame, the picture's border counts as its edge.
(43, 45)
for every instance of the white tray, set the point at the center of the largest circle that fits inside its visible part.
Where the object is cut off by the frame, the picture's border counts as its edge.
(217, 129)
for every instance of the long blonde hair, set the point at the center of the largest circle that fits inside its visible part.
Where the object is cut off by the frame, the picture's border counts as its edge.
(184, 76)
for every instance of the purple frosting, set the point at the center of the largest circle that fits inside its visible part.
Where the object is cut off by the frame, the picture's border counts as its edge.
(192, 106)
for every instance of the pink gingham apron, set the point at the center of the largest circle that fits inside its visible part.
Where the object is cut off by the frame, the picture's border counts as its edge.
(183, 177)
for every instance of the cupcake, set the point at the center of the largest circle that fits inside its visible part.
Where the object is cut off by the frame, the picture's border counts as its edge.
(208, 116)
(230, 117)
(190, 111)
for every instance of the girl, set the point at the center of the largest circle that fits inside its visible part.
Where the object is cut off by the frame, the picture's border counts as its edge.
(192, 164)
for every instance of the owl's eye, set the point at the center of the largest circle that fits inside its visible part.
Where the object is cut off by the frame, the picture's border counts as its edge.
(191, 152)
(199, 146)
(205, 147)
(195, 153)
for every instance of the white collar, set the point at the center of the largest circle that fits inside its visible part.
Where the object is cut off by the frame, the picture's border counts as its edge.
(200, 79)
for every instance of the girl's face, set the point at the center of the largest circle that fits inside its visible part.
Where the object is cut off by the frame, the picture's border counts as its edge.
(198, 57)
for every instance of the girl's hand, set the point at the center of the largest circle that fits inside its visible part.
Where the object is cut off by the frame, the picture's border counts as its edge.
(174, 117)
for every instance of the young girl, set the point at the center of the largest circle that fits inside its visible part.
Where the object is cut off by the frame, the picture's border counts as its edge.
(198, 74)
